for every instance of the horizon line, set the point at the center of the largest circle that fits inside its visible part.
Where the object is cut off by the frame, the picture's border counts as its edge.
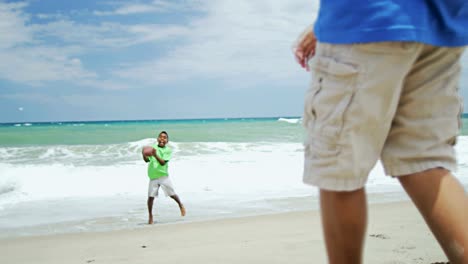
(463, 115)
(137, 120)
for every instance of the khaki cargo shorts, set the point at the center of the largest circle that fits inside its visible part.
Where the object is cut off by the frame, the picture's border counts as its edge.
(394, 101)
(165, 183)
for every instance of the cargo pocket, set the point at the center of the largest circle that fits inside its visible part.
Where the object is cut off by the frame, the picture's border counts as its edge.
(326, 103)
(455, 74)
(453, 140)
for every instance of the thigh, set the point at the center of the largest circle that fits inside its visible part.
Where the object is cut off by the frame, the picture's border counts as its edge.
(153, 188)
(349, 109)
(427, 120)
(167, 186)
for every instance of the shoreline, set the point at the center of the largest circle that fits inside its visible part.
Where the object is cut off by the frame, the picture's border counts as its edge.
(396, 234)
(134, 215)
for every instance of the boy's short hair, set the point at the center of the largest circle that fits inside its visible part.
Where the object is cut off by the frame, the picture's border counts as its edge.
(164, 132)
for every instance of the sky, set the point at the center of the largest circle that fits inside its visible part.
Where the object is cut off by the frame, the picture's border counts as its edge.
(154, 59)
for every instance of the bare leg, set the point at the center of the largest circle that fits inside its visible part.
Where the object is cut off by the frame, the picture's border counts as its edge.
(443, 203)
(150, 210)
(181, 206)
(344, 220)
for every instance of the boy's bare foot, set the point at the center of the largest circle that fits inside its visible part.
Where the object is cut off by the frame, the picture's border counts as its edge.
(182, 210)
(150, 220)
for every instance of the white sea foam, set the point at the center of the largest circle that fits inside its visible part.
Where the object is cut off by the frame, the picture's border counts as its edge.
(290, 120)
(244, 170)
(50, 182)
(214, 173)
(224, 168)
(79, 155)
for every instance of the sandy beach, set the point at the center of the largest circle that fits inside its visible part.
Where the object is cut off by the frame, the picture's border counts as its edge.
(396, 234)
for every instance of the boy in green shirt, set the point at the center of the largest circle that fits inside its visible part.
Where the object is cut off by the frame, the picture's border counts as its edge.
(158, 174)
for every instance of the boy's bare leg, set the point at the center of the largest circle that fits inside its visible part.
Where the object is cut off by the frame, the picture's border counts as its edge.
(344, 220)
(181, 206)
(443, 203)
(150, 210)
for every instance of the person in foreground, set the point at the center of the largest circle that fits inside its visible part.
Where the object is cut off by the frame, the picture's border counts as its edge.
(158, 159)
(385, 85)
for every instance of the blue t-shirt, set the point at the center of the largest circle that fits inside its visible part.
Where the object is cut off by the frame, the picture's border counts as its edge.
(434, 22)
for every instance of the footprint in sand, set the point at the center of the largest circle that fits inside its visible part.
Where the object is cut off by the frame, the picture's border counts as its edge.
(404, 249)
(381, 236)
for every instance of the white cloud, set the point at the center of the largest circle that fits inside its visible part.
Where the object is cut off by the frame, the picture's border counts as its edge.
(156, 6)
(229, 40)
(236, 40)
(30, 97)
(107, 35)
(26, 60)
(35, 65)
(13, 31)
(105, 84)
(128, 9)
(29, 59)
(150, 33)
(51, 16)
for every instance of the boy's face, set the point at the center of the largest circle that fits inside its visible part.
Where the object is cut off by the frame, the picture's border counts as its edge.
(162, 140)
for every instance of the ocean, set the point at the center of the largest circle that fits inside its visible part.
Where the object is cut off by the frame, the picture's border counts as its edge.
(60, 177)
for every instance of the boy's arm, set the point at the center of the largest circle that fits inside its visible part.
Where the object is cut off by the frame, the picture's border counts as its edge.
(159, 159)
(145, 158)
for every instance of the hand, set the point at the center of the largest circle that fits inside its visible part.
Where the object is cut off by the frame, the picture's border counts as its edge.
(304, 48)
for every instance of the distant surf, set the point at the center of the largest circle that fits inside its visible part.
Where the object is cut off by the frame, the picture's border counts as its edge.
(290, 120)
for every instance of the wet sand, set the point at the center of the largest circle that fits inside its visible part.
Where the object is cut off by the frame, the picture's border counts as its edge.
(396, 234)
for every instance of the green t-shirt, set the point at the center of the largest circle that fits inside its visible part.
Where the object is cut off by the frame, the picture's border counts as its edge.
(156, 170)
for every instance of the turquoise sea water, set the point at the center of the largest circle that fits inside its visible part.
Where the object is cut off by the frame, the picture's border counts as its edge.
(286, 129)
(69, 176)
(112, 132)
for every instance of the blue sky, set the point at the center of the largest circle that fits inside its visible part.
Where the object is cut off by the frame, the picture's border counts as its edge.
(161, 59)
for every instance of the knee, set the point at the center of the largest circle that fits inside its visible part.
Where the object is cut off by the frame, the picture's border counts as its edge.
(342, 194)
